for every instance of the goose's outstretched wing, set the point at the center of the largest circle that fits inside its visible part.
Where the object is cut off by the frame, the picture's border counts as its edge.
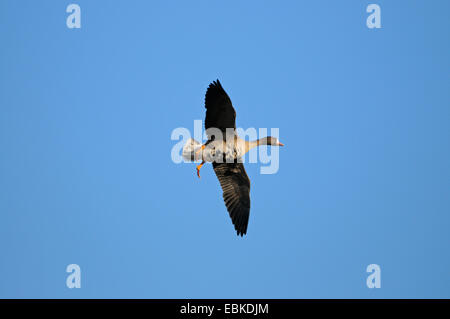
(236, 193)
(219, 110)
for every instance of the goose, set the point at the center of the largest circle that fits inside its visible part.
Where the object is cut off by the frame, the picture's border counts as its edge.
(224, 149)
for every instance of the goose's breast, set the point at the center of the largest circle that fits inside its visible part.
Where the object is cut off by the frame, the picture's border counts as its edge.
(227, 151)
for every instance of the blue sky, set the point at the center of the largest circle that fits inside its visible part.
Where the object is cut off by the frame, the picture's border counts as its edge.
(86, 175)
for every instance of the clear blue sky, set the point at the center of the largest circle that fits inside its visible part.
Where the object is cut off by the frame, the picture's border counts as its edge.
(86, 175)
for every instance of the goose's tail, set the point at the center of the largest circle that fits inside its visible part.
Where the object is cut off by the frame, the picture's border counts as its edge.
(190, 148)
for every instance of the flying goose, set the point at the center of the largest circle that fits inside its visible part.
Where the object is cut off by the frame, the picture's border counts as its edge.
(225, 153)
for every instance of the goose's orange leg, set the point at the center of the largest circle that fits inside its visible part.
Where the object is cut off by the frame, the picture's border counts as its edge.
(199, 150)
(198, 168)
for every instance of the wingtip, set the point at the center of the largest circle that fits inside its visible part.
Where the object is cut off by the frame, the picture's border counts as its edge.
(215, 83)
(241, 233)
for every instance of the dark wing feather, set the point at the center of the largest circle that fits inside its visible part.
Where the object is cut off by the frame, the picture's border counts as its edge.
(219, 110)
(236, 193)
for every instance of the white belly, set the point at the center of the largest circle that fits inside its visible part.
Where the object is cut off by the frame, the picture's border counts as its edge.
(218, 151)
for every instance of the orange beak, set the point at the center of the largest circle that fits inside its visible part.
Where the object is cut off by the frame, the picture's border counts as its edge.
(280, 144)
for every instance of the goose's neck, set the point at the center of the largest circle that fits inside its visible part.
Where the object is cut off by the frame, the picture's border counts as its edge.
(252, 144)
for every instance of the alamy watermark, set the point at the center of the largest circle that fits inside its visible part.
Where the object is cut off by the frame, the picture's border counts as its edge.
(188, 145)
(374, 19)
(73, 20)
(374, 279)
(74, 279)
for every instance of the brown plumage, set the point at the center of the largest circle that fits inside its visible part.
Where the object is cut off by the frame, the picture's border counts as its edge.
(231, 174)
(236, 193)
(219, 110)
